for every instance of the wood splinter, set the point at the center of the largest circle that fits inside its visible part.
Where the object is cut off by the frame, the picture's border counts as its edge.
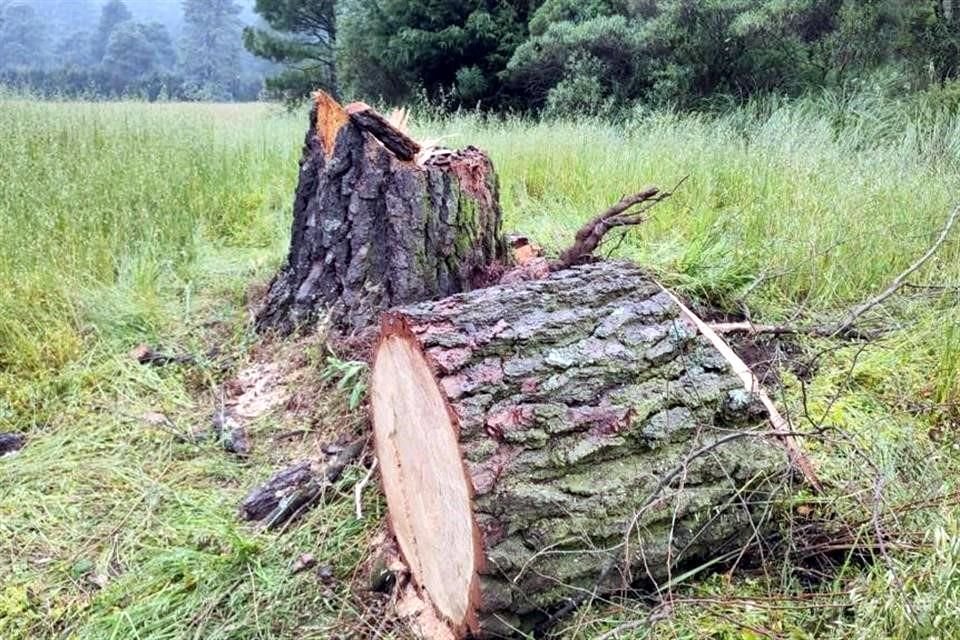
(393, 138)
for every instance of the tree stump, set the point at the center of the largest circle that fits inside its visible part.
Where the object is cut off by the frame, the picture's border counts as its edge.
(549, 438)
(379, 222)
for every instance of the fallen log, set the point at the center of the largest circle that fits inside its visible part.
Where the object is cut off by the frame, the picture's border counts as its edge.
(545, 438)
(373, 229)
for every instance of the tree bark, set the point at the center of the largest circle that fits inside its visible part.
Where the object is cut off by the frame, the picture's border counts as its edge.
(372, 230)
(547, 438)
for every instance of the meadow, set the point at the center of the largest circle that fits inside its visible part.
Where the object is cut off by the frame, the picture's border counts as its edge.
(127, 223)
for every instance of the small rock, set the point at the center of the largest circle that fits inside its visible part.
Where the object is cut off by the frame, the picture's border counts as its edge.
(10, 443)
(99, 580)
(141, 353)
(304, 562)
(325, 573)
(237, 441)
(155, 418)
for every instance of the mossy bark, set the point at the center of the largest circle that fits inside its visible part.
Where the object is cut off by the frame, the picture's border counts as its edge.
(371, 230)
(574, 397)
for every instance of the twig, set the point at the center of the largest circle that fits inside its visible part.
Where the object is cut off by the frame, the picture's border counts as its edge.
(358, 490)
(899, 281)
(846, 328)
(590, 235)
(780, 425)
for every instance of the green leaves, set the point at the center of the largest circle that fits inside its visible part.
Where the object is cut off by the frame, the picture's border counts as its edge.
(351, 376)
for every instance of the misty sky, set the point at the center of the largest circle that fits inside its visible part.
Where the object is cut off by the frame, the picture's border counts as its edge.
(71, 15)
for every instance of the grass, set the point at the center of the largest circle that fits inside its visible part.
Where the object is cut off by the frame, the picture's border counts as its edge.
(127, 223)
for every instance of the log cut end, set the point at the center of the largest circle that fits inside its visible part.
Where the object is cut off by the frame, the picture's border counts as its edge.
(523, 427)
(424, 477)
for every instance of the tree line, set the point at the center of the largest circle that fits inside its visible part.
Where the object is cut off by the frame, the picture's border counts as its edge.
(600, 56)
(555, 56)
(118, 55)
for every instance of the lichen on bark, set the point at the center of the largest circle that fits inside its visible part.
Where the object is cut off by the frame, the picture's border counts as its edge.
(574, 395)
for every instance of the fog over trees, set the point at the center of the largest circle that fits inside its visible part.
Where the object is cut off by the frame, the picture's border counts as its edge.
(142, 48)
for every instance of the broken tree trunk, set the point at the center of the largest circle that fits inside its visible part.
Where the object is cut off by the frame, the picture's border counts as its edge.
(546, 439)
(378, 222)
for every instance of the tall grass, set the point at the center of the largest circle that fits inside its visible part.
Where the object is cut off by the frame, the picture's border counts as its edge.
(125, 223)
(106, 209)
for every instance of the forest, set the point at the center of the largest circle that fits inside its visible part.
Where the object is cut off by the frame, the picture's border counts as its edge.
(449, 320)
(602, 57)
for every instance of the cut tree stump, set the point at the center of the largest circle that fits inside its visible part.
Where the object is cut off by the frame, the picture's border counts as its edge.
(547, 439)
(379, 222)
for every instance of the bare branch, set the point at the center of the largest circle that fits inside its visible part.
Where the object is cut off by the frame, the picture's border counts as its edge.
(901, 279)
(847, 327)
(590, 235)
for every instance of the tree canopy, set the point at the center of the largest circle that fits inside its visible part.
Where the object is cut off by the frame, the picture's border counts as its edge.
(598, 56)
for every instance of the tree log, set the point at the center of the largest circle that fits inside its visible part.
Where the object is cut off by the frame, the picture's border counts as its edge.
(534, 435)
(373, 229)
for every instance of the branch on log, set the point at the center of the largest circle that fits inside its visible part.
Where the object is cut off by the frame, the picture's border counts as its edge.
(292, 490)
(398, 142)
(846, 328)
(621, 214)
(751, 384)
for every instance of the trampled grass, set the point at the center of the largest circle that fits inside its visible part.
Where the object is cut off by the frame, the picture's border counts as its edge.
(127, 223)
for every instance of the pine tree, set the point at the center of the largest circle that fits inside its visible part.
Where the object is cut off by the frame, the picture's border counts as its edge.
(113, 13)
(211, 46)
(301, 38)
(23, 39)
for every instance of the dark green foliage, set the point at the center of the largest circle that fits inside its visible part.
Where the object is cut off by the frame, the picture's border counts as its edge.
(683, 52)
(158, 37)
(23, 39)
(393, 48)
(211, 47)
(113, 13)
(137, 50)
(301, 38)
(74, 50)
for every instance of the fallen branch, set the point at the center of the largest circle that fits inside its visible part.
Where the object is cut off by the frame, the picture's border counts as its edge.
(780, 425)
(621, 214)
(144, 354)
(846, 328)
(292, 490)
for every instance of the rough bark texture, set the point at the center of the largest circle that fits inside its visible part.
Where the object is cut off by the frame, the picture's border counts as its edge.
(371, 230)
(292, 489)
(575, 397)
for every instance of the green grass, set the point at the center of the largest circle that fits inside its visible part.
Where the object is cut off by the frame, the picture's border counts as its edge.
(127, 223)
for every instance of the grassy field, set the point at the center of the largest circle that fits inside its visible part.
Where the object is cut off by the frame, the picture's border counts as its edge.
(129, 223)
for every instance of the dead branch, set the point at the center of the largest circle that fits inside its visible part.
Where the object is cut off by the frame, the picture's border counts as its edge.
(621, 214)
(780, 425)
(394, 139)
(291, 490)
(846, 328)
(899, 281)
